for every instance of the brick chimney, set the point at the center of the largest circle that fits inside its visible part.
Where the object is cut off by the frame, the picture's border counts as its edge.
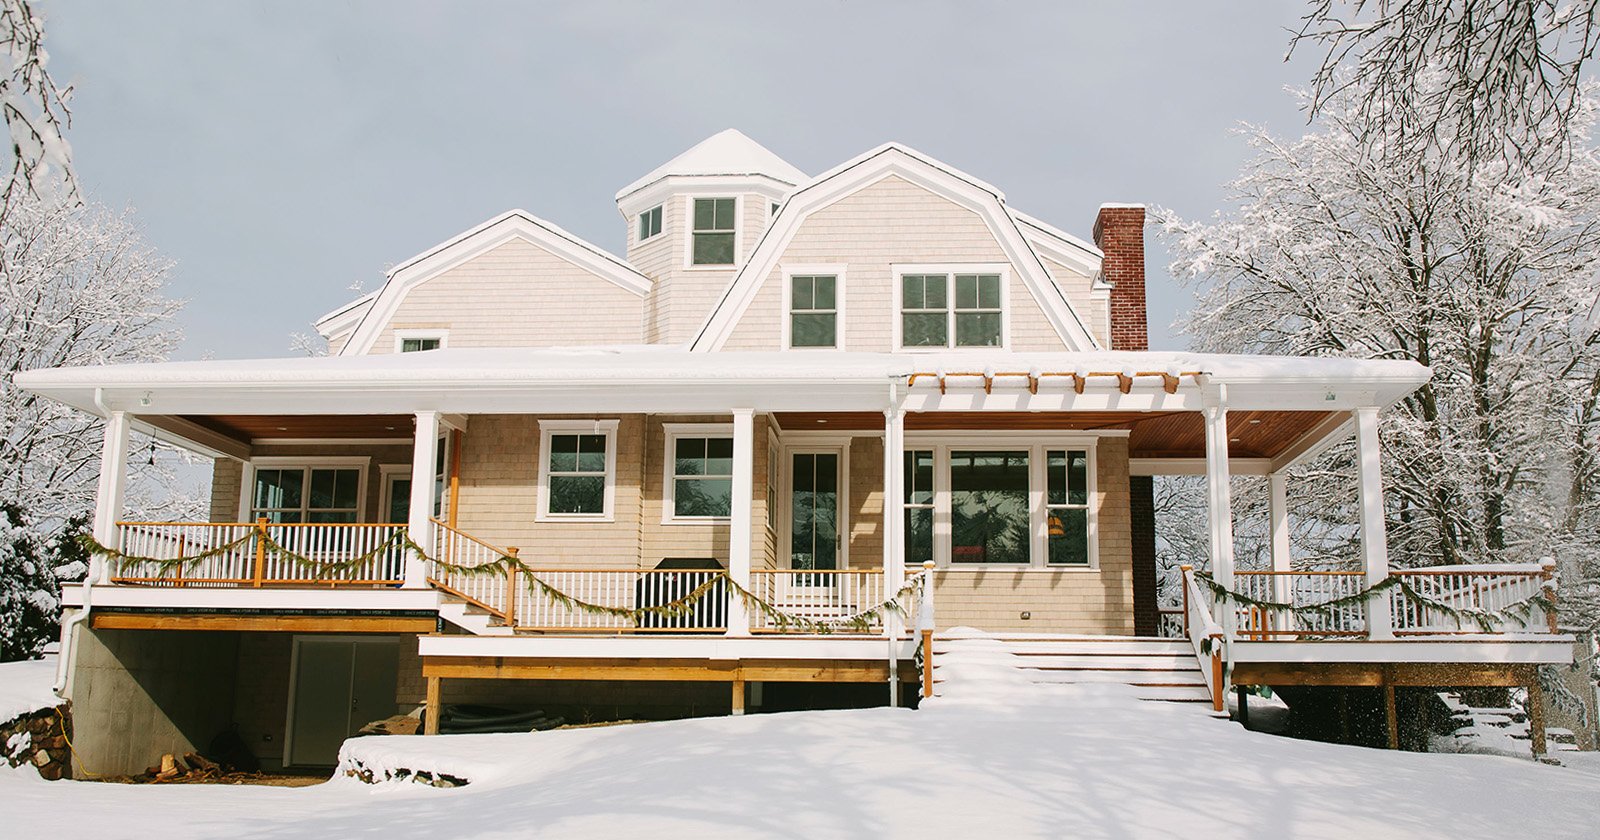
(1119, 234)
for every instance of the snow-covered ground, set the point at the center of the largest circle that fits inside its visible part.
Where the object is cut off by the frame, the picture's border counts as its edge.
(25, 687)
(996, 758)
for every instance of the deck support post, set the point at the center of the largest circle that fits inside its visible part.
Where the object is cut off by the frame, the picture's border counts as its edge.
(1374, 540)
(1219, 504)
(424, 452)
(434, 708)
(894, 431)
(113, 481)
(738, 696)
(740, 530)
(1537, 738)
(1391, 715)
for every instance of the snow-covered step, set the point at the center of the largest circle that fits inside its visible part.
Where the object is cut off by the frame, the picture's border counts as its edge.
(1157, 669)
(472, 619)
(1123, 647)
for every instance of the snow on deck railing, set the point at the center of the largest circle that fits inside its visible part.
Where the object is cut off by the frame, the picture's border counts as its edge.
(1503, 597)
(1206, 636)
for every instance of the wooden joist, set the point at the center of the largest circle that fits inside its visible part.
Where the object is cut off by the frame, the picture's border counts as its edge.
(263, 623)
(1376, 675)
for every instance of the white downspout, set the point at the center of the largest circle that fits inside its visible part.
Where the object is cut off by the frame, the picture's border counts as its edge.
(64, 654)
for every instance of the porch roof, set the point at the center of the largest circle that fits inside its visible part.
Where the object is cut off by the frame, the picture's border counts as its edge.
(669, 378)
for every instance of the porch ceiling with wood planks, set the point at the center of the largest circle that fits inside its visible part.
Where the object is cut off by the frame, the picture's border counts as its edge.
(248, 427)
(1174, 434)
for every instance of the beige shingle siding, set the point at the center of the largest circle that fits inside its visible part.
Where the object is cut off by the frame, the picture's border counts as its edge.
(866, 503)
(226, 476)
(519, 294)
(683, 297)
(500, 501)
(891, 222)
(1078, 288)
(657, 259)
(1068, 601)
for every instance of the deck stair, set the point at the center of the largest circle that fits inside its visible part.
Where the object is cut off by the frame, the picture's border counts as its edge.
(1160, 669)
(471, 617)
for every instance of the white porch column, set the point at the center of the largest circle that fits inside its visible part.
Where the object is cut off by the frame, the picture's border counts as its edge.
(1278, 514)
(894, 555)
(112, 488)
(1219, 506)
(740, 528)
(1374, 539)
(424, 452)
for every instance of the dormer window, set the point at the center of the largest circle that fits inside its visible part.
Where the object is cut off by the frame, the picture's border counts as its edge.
(713, 231)
(951, 308)
(650, 223)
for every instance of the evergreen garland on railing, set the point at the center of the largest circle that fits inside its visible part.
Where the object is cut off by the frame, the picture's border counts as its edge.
(1487, 620)
(861, 620)
(318, 568)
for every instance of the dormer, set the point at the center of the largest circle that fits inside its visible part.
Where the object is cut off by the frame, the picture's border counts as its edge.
(693, 220)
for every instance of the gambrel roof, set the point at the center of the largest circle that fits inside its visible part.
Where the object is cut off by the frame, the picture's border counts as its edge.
(506, 227)
(894, 159)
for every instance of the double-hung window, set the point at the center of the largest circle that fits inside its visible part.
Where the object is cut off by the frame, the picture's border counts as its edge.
(577, 469)
(814, 310)
(295, 494)
(919, 506)
(1067, 506)
(650, 223)
(939, 309)
(700, 478)
(713, 231)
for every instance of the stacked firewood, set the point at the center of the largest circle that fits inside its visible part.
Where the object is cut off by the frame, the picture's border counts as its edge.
(191, 767)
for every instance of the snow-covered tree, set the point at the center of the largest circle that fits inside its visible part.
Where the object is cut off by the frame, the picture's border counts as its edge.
(34, 109)
(1506, 74)
(1485, 271)
(78, 286)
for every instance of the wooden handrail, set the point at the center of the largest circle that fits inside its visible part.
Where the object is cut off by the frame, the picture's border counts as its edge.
(1301, 574)
(258, 522)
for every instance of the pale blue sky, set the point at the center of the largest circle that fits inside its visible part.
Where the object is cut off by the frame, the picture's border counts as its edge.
(281, 152)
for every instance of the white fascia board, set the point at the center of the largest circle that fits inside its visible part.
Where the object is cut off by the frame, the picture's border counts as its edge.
(1485, 649)
(661, 190)
(1196, 466)
(255, 599)
(774, 647)
(346, 318)
(857, 174)
(1058, 245)
(508, 226)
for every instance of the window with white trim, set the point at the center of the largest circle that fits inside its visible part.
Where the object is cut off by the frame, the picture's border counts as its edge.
(712, 233)
(650, 223)
(814, 311)
(577, 470)
(952, 310)
(701, 485)
(306, 494)
(919, 506)
(417, 345)
(985, 500)
(1067, 506)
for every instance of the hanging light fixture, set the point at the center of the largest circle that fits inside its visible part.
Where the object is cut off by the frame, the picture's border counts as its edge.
(152, 460)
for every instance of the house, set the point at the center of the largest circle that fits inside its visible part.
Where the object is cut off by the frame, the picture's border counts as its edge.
(805, 427)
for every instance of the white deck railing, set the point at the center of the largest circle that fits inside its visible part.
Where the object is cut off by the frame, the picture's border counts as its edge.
(230, 554)
(838, 598)
(1206, 636)
(1473, 592)
(626, 589)
(1300, 589)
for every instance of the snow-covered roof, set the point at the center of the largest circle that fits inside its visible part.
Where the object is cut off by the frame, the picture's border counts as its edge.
(513, 379)
(728, 152)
